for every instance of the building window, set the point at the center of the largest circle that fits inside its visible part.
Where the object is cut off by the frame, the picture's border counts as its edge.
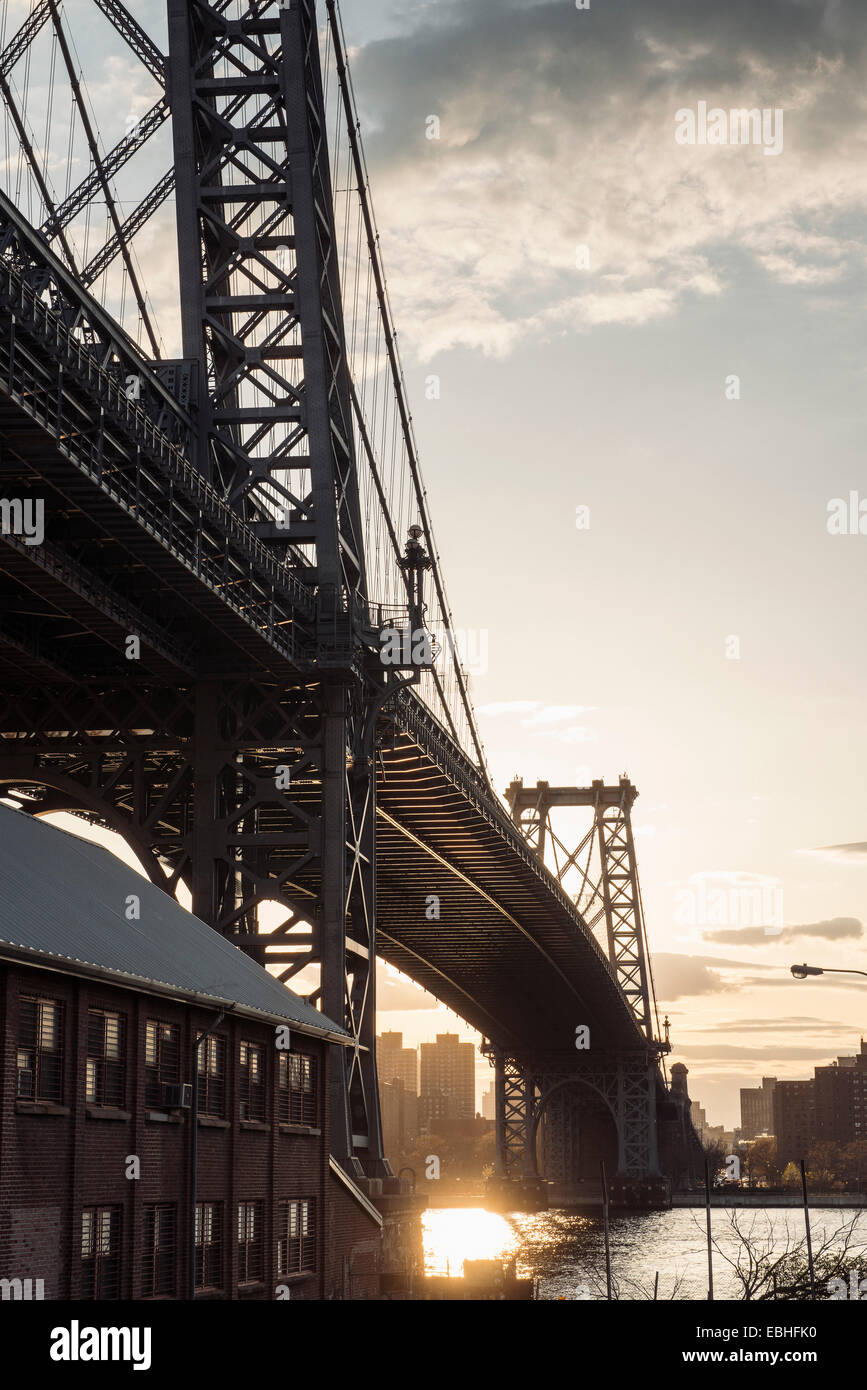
(100, 1252)
(209, 1245)
(158, 1252)
(212, 1077)
(297, 1088)
(162, 1059)
(296, 1238)
(251, 1247)
(251, 1082)
(105, 1057)
(40, 1050)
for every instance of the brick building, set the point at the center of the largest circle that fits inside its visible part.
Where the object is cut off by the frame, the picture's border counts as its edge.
(840, 1097)
(832, 1108)
(794, 1120)
(757, 1108)
(105, 984)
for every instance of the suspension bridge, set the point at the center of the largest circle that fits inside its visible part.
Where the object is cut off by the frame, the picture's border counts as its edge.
(210, 547)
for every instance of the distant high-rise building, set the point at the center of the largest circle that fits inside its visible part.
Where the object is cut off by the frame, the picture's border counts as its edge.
(794, 1120)
(394, 1062)
(399, 1117)
(489, 1103)
(757, 1108)
(448, 1080)
(708, 1133)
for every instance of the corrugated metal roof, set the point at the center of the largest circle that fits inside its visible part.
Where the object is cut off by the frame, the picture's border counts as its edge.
(66, 899)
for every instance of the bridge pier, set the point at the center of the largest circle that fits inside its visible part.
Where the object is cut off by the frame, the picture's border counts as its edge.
(514, 1132)
(603, 1108)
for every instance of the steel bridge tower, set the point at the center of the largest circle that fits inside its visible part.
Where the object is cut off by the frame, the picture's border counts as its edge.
(263, 329)
(569, 1104)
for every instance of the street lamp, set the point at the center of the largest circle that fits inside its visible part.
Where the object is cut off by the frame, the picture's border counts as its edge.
(801, 972)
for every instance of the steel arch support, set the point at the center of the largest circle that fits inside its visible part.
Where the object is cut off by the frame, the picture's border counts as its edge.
(627, 1086)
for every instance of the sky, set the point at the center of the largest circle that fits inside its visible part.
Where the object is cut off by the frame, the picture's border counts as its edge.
(637, 369)
(608, 386)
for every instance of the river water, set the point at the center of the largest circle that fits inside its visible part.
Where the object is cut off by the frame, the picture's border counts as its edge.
(565, 1250)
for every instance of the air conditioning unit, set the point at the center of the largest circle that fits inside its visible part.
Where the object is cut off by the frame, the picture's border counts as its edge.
(177, 1097)
(25, 1083)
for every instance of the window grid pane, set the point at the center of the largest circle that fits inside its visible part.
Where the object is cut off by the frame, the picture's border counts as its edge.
(251, 1250)
(296, 1237)
(100, 1253)
(158, 1251)
(105, 1057)
(212, 1077)
(162, 1060)
(251, 1082)
(209, 1252)
(297, 1089)
(39, 1058)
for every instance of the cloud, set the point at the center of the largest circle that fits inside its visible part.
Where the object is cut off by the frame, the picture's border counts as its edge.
(499, 707)
(796, 1023)
(555, 714)
(556, 131)
(679, 975)
(723, 1052)
(834, 929)
(841, 853)
(576, 733)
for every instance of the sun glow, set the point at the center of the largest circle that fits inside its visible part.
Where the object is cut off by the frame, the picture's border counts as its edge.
(453, 1235)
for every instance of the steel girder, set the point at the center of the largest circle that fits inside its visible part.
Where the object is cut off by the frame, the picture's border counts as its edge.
(109, 165)
(134, 35)
(248, 794)
(21, 41)
(616, 895)
(259, 279)
(623, 903)
(513, 1096)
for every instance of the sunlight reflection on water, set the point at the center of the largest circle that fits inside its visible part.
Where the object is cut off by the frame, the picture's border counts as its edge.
(565, 1250)
(455, 1234)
